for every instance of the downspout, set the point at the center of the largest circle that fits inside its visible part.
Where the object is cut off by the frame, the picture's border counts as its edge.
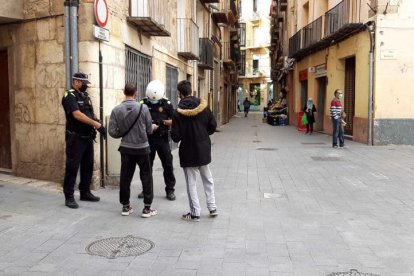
(369, 26)
(74, 4)
(66, 9)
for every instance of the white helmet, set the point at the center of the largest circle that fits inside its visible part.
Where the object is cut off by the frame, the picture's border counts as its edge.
(155, 90)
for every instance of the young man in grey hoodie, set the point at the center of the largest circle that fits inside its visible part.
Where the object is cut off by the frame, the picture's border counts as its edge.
(132, 121)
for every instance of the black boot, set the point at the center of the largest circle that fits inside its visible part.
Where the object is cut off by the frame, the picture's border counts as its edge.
(71, 203)
(170, 196)
(88, 196)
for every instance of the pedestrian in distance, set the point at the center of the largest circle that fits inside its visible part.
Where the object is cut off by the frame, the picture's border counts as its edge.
(238, 106)
(81, 126)
(309, 110)
(192, 125)
(246, 105)
(336, 117)
(131, 121)
(161, 111)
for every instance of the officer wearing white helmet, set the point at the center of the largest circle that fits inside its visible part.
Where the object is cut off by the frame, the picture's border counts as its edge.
(161, 111)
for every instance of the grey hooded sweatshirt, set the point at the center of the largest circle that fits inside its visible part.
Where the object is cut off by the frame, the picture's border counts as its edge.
(122, 117)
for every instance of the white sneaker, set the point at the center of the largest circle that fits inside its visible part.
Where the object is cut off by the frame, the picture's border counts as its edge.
(146, 213)
(127, 210)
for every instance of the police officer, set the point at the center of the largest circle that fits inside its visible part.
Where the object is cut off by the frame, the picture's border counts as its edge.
(81, 126)
(161, 111)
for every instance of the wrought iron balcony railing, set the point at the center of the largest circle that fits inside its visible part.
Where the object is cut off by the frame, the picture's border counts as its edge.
(149, 17)
(312, 33)
(225, 12)
(334, 26)
(206, 54)
(187, 39)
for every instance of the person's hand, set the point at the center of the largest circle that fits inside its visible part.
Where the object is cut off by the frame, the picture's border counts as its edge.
(167, 122)
(154, 127)
(102, 131)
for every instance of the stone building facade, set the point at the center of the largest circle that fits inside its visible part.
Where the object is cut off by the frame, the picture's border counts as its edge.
(188, 45)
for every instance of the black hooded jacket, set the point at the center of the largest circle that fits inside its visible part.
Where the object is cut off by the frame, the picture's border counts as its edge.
(192, 124)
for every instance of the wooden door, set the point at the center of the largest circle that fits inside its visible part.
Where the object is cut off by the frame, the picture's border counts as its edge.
(5, 142)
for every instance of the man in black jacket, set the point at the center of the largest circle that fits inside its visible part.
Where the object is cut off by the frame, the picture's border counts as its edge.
(192, 124)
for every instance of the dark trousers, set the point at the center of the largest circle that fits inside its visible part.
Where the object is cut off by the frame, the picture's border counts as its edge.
(337, 132)
(161, 146)
(309, 127)
(79, 152)
(128, 165)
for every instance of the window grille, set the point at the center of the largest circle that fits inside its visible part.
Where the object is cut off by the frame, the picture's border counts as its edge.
(137, 70)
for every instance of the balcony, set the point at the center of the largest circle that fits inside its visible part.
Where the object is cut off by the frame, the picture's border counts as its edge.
(206, 54)
(252, 73)
(335, 25)
(11, 11)
(256, 44)
(149, 17)
(229, 53)
(312, 33)
(187, 39)
(226, 12)
(242, 63)
(283, 5)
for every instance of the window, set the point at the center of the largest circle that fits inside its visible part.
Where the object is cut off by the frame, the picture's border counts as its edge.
(255, 5)
(242, 34)
(255, 66)
(137, 70)
(171, 85)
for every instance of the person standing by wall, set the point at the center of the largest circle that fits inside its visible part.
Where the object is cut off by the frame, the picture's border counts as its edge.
(246, 105)
(161, 111)
(336, 117)
(309, 110)
(192, 125)
(132, 121)
(81, 126)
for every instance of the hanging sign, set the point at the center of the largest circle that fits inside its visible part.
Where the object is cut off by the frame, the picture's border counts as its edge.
(101, 12)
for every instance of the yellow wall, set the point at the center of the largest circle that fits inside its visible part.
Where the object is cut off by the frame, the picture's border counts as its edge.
(394, 76)
(335, 56)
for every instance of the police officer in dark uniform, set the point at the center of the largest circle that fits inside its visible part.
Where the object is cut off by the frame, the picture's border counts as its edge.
(161, 111)
(81, 126)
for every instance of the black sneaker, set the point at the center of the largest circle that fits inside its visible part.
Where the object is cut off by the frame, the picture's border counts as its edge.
(190, 217)
(127, 210)
(148, 212)
(71, 203)
(170, 196)
(88, 196)
(213, 213)
(335, 146)
(141, 195)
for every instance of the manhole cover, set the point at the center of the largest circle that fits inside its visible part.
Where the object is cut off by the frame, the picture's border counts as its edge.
(257, 141)
(267, 149)
(326, 158)
(254, 126)
(352, 272)
(312, 143)
(112, 248)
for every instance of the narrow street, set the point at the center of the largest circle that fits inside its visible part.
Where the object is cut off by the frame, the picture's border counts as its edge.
(289, 204)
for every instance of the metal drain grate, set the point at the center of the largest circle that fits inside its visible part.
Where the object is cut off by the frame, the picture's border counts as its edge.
(352, 272)
(257, 141)
(113, 248)
(326, 158)
(267, 149)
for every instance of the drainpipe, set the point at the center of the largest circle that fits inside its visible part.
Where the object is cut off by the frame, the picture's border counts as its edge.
(369, 26)
(67, 44)
(74, 4)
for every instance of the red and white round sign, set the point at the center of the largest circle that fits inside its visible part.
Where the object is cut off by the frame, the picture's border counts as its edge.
(101, 12)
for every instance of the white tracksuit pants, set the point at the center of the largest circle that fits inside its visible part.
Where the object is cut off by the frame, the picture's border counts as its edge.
(208, 184)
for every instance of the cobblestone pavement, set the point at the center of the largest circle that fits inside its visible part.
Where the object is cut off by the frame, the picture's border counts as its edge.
(289, 204)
